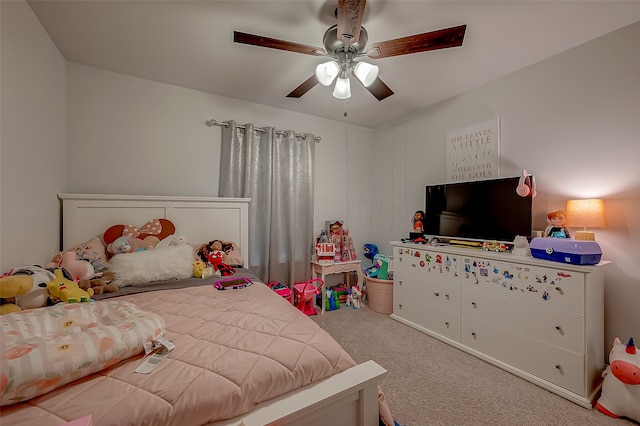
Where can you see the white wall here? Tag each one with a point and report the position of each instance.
(128, 135)
(574, 121)
(32, 139)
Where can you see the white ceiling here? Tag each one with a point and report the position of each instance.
(190, 44)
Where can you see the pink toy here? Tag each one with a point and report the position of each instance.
(621, 389)
(305, 294)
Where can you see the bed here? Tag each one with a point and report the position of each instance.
(282, 369)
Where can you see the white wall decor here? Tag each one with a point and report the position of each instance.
(473, 153)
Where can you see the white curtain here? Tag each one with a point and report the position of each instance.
(275, 170)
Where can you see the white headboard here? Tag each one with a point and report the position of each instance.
(199, 219)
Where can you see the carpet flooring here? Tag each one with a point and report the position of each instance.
(432, 383)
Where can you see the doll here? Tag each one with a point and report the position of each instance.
(418, 225)
(213, 255)
(556, 228)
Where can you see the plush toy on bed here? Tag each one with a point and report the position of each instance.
(12, 286)
(621, 386)
(35, 296)
(66, 290)
(98, 285)
(79, 269)
(212, 254)
(141, 239)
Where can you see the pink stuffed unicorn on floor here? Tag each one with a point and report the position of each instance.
(621, 387)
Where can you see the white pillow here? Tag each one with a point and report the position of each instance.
(159, 264)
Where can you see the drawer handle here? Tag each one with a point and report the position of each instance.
(447, 324)
(400, 306)
(474, 304)
(447, 296)
(436, 293)
(473, 333)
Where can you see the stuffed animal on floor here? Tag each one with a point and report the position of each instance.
(66, 290)
(356, 296)
(621, 386)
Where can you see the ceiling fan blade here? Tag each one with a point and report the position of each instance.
(350, 14)
(379, 89)
(274, 43)
(304, 87)
(434, 40)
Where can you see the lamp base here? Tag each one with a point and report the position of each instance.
(585, 236)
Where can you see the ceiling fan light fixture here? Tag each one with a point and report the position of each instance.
(366, 73)
(327, 72)
(342, 89)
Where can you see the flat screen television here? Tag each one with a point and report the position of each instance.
(478, 210)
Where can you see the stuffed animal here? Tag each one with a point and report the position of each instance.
(356, 296)
(144, 238)
(12, 286)
(98, 285)
(66, 290)
(521, 246)
(36, 295)
(79, 269)
(212, 254)
(198, 268)
(621, 386)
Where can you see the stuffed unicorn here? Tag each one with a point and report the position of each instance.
(356, 295)
(621, 385)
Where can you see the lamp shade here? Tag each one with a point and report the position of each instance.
(366, 73)
(343, 88)
(586, 214)
(327, 72)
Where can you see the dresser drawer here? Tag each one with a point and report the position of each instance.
(552, 287)
(558, 366)
(427, 293)
(431, 264)
(564, 329)
(435, 319)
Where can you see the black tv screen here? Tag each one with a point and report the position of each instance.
(478, 210)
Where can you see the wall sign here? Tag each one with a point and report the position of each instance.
(473, 153)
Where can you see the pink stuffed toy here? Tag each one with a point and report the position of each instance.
(621, 386)
(79, 269)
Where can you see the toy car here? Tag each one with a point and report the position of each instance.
(494, 246)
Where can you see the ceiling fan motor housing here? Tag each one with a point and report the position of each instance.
(333, 44)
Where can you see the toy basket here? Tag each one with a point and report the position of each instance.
(282, 290)
(305, 294)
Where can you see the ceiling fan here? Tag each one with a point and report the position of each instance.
(346, 42)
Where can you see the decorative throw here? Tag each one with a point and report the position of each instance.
(46, 348)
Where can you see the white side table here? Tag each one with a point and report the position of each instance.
(321, 271)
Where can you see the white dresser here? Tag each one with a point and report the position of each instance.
(540, 320)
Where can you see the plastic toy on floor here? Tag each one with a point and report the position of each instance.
(305, 294)
(621, 386)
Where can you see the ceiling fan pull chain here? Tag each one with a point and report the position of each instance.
(346, 104)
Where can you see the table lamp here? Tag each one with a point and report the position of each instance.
(586, 214)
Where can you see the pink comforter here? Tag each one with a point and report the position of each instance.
(234, 349)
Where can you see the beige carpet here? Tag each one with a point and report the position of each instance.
(432, 383)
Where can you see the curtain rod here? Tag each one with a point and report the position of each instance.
(213, 122)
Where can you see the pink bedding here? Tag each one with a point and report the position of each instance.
(234, 349)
